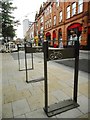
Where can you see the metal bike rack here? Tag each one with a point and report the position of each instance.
(32, 50)
(20, 48)
(53, 54)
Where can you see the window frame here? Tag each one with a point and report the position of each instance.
(50, 22)
(68, 12)
(41, 20)
(79, 6)
(50, 9)
(60, 16)
(54, 20)
(57, 3)
(73, 9)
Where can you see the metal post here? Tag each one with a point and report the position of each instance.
(32, 60)
(26, 64)
(18, 57)
(76, 69)
(45, 48)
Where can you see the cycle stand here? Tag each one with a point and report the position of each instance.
(57, 53)
(20, 48)
(32, 50)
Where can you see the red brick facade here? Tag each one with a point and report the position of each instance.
(57, 26)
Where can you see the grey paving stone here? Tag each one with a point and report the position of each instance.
(83, 102)
(20, 107)
(87, 115)
(33, 92)
(82, 80)
(0, 108)
(60, 95)
(20, 116)
(7, 111)
(37, 114)
(74, 113)
(0, 91)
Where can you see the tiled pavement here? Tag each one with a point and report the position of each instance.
(21, 100)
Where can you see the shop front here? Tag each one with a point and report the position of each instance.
(60, 41)
(48, 37)
(73, 31)
(54, 39)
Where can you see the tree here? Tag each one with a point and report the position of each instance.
(8, 31)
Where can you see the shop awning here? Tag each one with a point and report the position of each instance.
(76, 25)
(48, 34)
(54, 34)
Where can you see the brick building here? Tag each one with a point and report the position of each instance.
(63, 20)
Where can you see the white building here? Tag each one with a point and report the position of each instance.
(32, 32)
(25, 26)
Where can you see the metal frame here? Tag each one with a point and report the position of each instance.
(22, 49)
(32, 50)
(64, 54)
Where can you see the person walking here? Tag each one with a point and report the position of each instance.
(60, 43)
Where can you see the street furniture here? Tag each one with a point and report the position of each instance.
(54, 54)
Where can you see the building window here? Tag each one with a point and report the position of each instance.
(60, 16)
(36, 24)
(80, 6)
(57, 3)
(47, 10)
(68, 12)
(54, 20)
(41, 31)
(73, 8)
(47, 24)
(41, 20)
(50, 22)
(37, 32)
(50, 9)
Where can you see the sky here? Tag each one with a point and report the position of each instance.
(26, 9)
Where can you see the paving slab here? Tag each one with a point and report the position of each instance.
(37, 114)
(74, 113)
(23, 100)
(0, 108)
(35, 102)
(7, 111)
(83, 88)
(20, 107)
(87, 115)
(83, 102)
(20, 116)
(60, 95)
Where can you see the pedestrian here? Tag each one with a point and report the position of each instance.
(60, 43)
(74, 38)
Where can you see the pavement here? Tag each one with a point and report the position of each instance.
(83, 64)
(19, 99)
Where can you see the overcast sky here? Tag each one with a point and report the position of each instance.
(25, 8)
